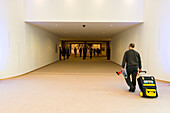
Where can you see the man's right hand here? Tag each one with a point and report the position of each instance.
(123, 69)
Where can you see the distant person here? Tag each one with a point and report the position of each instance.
(94, 51)
(98, 51)
(64, 52)
(75, 51)
(132, 60)
(80, 51)
(91, 52)
(60, 53)
(68, 53)
(84, 52)
(108, 53)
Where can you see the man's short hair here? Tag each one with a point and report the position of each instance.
(132, 45)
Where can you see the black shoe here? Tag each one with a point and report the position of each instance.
(133, 90)
(130, 90)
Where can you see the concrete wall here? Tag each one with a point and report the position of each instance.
(151, 39)
(23, 47)
(84, 10)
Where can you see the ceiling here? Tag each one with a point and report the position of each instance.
(93, 30)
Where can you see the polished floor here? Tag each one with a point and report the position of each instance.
(76, 86)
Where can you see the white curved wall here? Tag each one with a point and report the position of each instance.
(85, 10)
(151, 39)
(23, 47)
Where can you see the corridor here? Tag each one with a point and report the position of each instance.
(39, 40)
(76, 86)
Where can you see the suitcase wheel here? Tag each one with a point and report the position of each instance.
(141, 94)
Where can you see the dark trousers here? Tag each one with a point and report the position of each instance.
(131, 70)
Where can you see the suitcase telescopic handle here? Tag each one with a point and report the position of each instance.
(142, 72)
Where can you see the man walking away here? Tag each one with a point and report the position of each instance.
(132, 60)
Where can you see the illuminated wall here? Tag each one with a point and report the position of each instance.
(23, 47)
(84, 10)
(4, 44)
(151, 39)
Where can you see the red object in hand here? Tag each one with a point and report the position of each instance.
(119, 73)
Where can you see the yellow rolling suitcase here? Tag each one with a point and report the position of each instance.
(147, 85)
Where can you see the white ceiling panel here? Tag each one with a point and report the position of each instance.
(93, 30)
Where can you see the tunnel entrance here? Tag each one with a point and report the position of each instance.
(83, 50)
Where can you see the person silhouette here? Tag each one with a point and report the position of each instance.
(94, 51)
(108, 53)
(75, 51)
(98, 51)
(67, 51)
(84, 52)
(91, 51)
(64, 52)
(60, 53)
(80, 51)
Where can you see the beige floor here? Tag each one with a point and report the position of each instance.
(75, 86)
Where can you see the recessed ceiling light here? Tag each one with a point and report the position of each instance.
(56, 25)
(111, 25)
